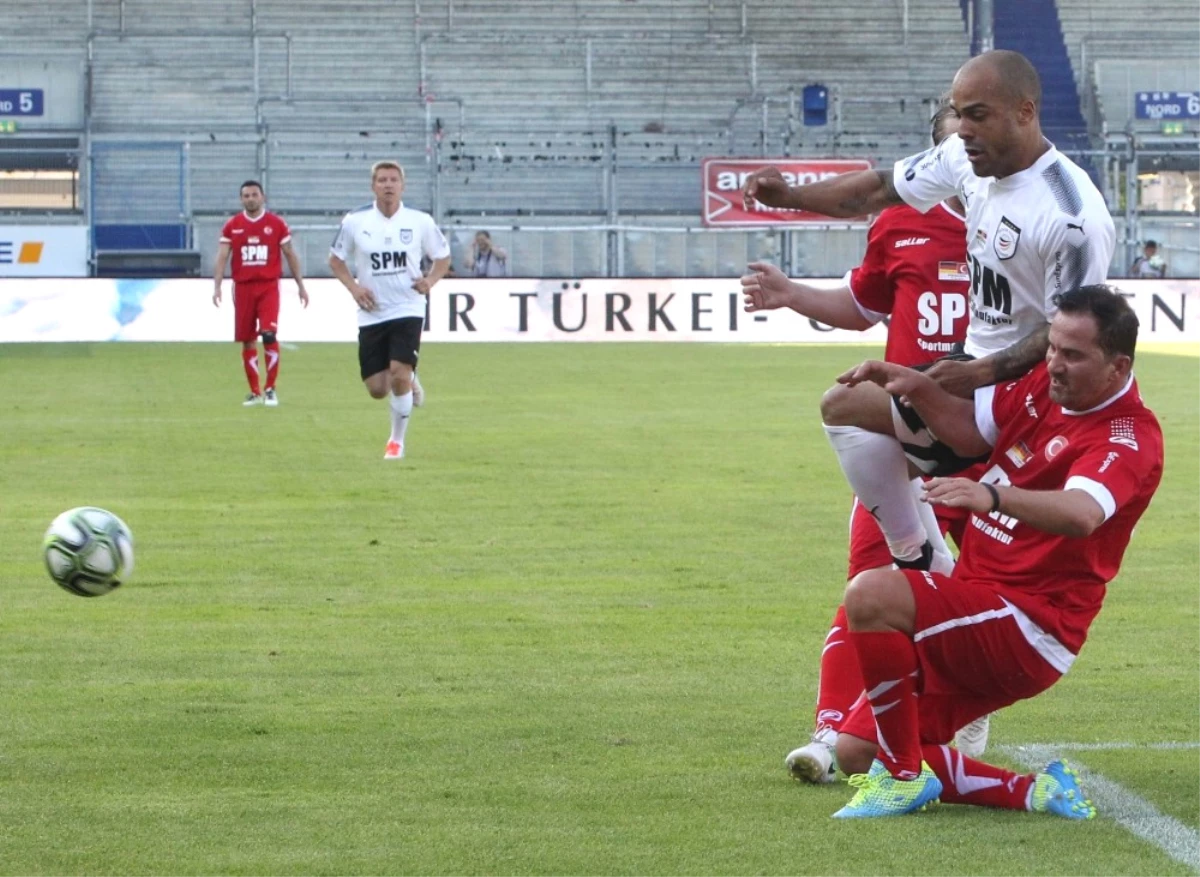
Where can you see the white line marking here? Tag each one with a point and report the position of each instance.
(1100, 747)
(1133, 813)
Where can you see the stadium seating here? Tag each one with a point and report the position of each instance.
(542, 113)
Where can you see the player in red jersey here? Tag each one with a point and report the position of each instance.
(1074, 460)
(915, 271)
(257, 240)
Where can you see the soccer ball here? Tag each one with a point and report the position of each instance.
(89, 551)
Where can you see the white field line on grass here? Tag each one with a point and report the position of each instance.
(1133, 813)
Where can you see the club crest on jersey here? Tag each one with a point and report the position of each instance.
(1055, 446)
(1008, 235)
(406, 236)
(950, 271)
(268, 230)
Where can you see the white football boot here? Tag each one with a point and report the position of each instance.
(816, 761)
(971, 740)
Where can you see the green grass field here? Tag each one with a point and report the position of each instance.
(574, 632)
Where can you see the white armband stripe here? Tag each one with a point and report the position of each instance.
(1096, 491)
(985, 420)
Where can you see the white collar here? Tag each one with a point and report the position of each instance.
(1110, 400)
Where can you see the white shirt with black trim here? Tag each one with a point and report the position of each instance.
(384, 254)
(1030, 235)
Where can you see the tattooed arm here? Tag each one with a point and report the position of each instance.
(1014, 361)
(845, 196)
(964, 378)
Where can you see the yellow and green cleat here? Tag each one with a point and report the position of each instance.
(881, 794)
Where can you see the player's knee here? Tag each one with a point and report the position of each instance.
(854, 754)
(268, 337)
(837, 406)
(864, 598)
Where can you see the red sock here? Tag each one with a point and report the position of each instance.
(250, 362)
(840, 682)
(967, 781)
(889, 671)
(272, 351)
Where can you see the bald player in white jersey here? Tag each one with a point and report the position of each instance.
(1036, 226)
(377, 256)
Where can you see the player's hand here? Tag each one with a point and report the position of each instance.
(363, 297)
(956, 378)
(303, 296)
(958, 493)
(766, 288)
(423, 285)
(217, 296)
(767, 186)
(896, 379)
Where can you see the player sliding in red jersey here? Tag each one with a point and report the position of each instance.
(1074, 458)
(258, 240)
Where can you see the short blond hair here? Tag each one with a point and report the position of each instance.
(384, 165)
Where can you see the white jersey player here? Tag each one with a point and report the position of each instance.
(1036, 226)
(1030, 235)
(377, 255)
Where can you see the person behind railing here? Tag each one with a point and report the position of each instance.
(1149, 265)
(486, 259)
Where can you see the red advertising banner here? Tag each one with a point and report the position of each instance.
(723, 179)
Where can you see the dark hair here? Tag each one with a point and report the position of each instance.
(937, 122)
(1116, 323)
(1152, 244)
(255, 183)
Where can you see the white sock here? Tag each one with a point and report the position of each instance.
(933, 530)
(401, 410)
(877, 470)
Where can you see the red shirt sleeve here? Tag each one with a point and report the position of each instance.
(869, 282)
(1123, 456)
(281, 227)
(226, 231)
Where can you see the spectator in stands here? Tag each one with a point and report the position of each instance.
(1149, 265)
(486, 259)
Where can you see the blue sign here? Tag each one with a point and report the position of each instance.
(22, 102)
(1168, 105)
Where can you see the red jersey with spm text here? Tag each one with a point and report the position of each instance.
(255, 246)
(1113, 452)
(915, 269)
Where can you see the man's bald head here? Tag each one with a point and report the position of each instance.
(1010, 73)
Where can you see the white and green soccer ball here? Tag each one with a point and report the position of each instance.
(89, 551)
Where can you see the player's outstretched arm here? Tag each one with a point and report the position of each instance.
(845, 196)
(950, 418)
(767, 288)
(1072, 513)
(219, 270)
(293, 261)
(1012, 362)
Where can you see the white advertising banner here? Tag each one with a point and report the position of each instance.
(484, 310)
(43, 251)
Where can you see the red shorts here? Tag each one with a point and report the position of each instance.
(255, 309)
(868, 548)
(973, 658)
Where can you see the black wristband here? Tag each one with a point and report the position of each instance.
(995, 496)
